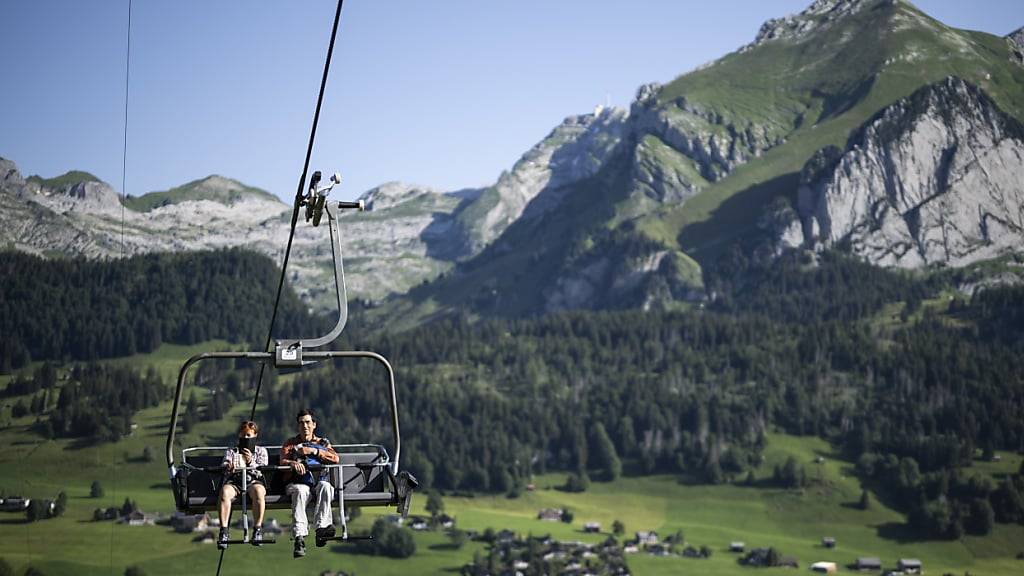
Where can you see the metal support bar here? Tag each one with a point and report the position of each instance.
(269, 357)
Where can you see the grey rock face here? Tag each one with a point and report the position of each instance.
(1016, 40)
(1017, 37)
(574, 150)
(819, 15)
(713, 145)
(932, 179)
(398, 243)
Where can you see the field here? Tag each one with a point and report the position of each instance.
(761, 515)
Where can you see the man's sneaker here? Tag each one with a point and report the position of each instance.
(323, 535)
(222, 539)
(300, 547)
(257, 536)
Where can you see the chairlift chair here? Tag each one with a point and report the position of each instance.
(366, 474)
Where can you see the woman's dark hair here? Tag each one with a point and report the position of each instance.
(305, 412)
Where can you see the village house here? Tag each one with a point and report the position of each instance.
(138, 518)
(737, 546)
(909, 565)
(446, 521)
(592, 527)
(15, 504)
(646, 538)
(185, 523)
(550, 514)
(824, 567)
(828, 542)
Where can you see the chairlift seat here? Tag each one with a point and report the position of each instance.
(367, 480)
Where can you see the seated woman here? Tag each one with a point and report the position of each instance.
(248, 455)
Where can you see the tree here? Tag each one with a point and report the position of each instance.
(134, 571)
(577, 482)
(567, 516)
(607, 459)
(865, 500)
(435, 505)
(458, 538)
(147, 454)
(61, 504)
(128, 507)
(5, 568)
(96, 490)
(982, 517)
(618, 528)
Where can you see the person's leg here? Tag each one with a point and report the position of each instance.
(259, 503)
(227, 494)
(299, 494)
(324, 492)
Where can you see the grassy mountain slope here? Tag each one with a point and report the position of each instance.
(792, 95)
(814, 92)
(215, 188)
(66, 179)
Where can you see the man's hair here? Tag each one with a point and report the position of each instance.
(305, 412)
(248, 426)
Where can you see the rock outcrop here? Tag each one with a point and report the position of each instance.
(573, 151)
(405, 237)
(818, 16)
(933, 179)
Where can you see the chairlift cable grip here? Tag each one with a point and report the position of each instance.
(298, 199)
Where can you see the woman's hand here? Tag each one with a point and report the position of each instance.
(247, 454)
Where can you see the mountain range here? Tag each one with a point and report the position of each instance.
(860, 125)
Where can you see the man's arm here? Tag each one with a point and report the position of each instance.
(327, 453)
(286, 451)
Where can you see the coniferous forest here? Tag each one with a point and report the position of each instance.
(907, 379)
(69, 309)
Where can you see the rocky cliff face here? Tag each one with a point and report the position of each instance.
(404, 237)
(818, 16)
(933, 179)
(573, 151)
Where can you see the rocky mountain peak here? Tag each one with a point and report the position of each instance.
(9, 174)
(1017, 37)
(1016, 40)
(819, 15)
(391, 194)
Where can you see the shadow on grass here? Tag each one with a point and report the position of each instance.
(82, 444)
(898, 532)
(734, 217)
(13, 521)
(445, 547)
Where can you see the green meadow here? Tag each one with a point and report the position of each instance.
(760, 515)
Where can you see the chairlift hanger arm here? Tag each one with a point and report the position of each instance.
(266, 357)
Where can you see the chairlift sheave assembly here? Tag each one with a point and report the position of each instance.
(366, 475)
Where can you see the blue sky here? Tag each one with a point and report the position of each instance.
(440, 93)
